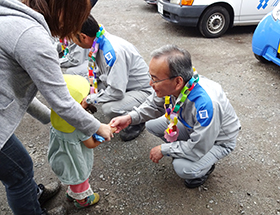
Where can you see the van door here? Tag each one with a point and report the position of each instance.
(252, 11)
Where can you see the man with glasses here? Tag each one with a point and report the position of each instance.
(190, 112)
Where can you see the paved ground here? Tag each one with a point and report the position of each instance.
(246, 182)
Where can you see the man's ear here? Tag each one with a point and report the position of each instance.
(83, 37)
(179, 82)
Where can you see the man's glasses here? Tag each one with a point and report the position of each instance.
(157, 81)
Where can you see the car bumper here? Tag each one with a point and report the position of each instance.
(181, 15)
(151, 1)
(266, 39)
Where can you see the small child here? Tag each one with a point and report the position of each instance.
(70, 152)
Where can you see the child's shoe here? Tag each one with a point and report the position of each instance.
(91, 200)
(69, 198)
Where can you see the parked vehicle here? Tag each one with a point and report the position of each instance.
(151, 1)
(265, 42)
(214, 17)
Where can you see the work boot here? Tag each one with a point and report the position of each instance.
(47, 192)
(193, 183)
(60, 210)
(131, 132)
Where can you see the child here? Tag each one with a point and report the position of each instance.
(70, 152)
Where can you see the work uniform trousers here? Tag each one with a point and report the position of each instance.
(114, 108)
(185, 168)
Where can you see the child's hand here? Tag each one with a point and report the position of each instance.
(105, 131)
(112, 128)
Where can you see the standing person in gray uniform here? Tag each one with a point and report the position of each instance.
(122, 74)
(28, 64)
(190, 112)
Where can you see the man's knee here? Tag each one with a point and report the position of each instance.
(149, 127)
(184, 170)
(153, 128)
(187, 169)
(109, 111)
(76, 71)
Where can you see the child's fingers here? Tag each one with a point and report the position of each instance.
(113, 129)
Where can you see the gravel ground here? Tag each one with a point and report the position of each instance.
(245, 182)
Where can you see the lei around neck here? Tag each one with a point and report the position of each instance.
(92, 59)
(171, 113)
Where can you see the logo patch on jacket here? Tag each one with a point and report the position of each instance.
(203, 114)
(108, 51)
(108, 56)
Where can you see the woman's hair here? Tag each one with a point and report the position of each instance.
(64, 17)
(178, 60)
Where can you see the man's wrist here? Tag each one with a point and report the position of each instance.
(165, 149)
(129, 119)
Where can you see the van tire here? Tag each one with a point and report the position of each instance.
(214, 22)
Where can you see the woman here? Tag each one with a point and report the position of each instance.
(28, 63)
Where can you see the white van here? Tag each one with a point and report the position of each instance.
(214, 17)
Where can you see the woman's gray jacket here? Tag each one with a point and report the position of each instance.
(28, 63)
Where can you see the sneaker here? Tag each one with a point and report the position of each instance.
(60, 210)
(193, 183)
(131, 132)
(47, 192)
(91, 200)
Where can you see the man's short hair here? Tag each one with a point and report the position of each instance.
(178, 60)
(90, 27)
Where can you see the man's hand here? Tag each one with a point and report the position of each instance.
(155, 154)
(120, 122)
(105, 131)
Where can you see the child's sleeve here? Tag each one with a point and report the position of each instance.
(98, 138)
